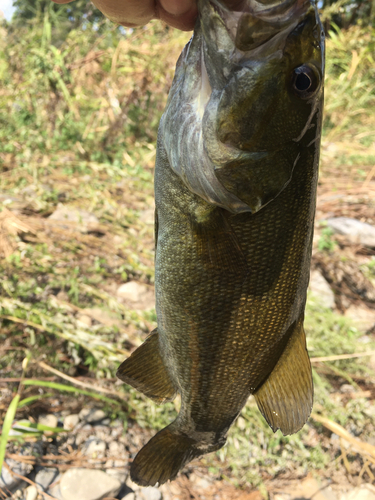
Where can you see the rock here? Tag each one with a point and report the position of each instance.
(363, 492)
(31, 493)
(94, 447)
(48, 420)
(92, 415)
(89, 484)
(120, 473)
(104, 317)
(320, 290)
(347, 389)
(7, 480)
(116, 449)
(362, 317)
(70, 421)
(74, 218)
(46, 476)
(137, 295)
(149, 493)
(354, 230)
(55, 492)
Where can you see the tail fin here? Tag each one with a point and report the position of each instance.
(166, 454)
(162, 457)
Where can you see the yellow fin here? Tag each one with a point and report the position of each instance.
(163, 457)
(145, 371)
(285, 399)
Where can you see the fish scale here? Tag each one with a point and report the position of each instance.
(235, 189)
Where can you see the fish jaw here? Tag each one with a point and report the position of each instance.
(235, 109)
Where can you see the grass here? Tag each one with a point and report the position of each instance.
(78, 127)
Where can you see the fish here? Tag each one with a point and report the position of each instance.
(235, 192)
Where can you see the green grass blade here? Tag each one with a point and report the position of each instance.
(68, 388)
(8, 420)
(30, 400)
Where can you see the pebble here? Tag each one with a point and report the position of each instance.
(362, 317)
(137, 295)
(363, 492)
(116, 449)
(48, 420)
(94, 447)
(354, 230)
(46, 476)
(91, 415)
(320, 289)
(72, 215)
(70, 421)
(31, 493)
(149, 493)
(88, 484)
(7, 480)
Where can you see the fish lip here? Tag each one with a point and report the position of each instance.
(259, 21)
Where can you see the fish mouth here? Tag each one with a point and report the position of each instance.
(252, 23)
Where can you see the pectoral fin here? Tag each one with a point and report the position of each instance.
(285, 399)
(145, 371)
(218, 245)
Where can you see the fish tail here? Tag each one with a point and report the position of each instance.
(165, 455)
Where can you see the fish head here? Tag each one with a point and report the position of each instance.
(266, 65)
(246, 100)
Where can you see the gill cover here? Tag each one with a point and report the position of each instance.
(245, 100)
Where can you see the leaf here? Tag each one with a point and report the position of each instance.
(7, 425)
(68, 388)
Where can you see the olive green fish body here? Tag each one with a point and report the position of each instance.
(235, 188)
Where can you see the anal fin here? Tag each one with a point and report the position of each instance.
(285, 399)
(145, 371)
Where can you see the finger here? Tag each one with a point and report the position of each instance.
(180, 14)
(127, 12)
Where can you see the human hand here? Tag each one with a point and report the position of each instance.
(180, 14)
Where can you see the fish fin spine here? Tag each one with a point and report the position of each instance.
(285, 399)
(166, 454)
(145, 371)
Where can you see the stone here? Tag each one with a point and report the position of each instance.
(119, 473)
(354, 230)
(46, 476)
(74, 218)
(137, 295)
(70, 421)
(48, 420)
(363, 492)
(362, 317)
(7, 480)
(31, 493)
(89, 484)
(116, 449)
(320, 290)
(55, 492)
(104, 317)
(94, 447)
(149, 493)
(92, 415)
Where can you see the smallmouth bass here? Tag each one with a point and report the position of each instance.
(235, 188)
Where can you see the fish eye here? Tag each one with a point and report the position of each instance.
(305, 81)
